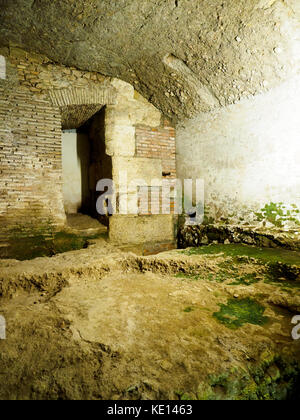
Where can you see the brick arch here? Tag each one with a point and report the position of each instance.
(83, 96)
(74, 116)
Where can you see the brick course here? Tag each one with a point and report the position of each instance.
(30, 165)
(158, 143)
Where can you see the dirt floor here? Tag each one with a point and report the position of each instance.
(99, 323)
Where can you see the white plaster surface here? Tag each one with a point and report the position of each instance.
(75, 161)
(248, 153)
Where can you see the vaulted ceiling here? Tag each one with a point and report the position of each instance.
(74, 116)
(186, 56)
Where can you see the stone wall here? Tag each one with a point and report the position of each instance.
(30, 140)
(34, 97)
(128, 125)
(201, 235)
(248, 155)
(41, 76)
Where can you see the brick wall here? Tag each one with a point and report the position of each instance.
(158, 143)
(31, 201)
(32, 99)
(30, 165)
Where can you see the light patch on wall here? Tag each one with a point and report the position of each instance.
(2, 67)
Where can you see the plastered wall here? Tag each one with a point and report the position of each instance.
(75, 165)
(249, 156)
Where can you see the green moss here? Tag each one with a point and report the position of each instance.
(246, 280)
(45, 246)
(227, 272)
(239, 312)
(275, 262)
(188, 309)
(285, 285)
(283, 275)
(205, 393)
(265, 255)
(278, 214)
(219, 277)
(273, 378)
(274, 266)
(188, 276)
(64, 242)
(186, 397)
(229, 266)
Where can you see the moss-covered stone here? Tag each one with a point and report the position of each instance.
(201, 235)
(279, 214)
(245, 280)
(239, 312)
(45, 245)
(274, 378)
(246, 266)
(266, 255)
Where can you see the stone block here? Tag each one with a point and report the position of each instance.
(141, 229)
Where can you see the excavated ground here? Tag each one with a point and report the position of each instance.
(99, 323)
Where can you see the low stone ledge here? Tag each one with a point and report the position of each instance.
(200, 235)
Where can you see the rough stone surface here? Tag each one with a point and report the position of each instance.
(202, 54)
(101, 324)
(195, 236)
(141, 229)
(74, 116)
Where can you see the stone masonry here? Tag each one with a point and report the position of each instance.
(33, 96)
